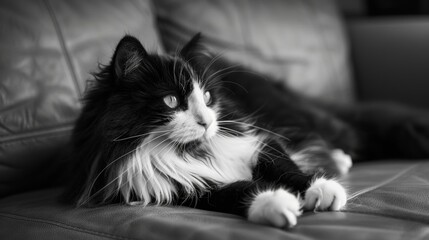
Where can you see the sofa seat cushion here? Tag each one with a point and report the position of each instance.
(390, 202)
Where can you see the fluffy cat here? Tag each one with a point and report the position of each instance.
(190, 129)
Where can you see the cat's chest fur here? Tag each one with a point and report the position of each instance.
(157, 168)
(222, 159)
(233, 158)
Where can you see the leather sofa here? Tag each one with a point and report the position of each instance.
(49, 49)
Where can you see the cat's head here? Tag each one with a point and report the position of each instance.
(144, 115)
(161, 94)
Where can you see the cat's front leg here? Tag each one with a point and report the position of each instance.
(278, 208)
(319, 193)
(258, 201)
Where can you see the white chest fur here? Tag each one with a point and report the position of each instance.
(234, 157)
(155, 169)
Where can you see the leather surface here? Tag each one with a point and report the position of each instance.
(48, 50)
(391, 202)
(393, 189)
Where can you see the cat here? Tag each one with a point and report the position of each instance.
(191, 129)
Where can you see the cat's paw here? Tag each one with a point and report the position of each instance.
(277, 208)
(342, 160)
(325, 195)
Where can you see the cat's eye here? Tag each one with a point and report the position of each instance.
(207, 98)
(171, 101)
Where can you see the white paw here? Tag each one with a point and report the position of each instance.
(342, 160)
(278, 208)
(324, 195)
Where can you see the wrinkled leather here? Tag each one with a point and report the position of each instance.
(391, 202)
(47, 51)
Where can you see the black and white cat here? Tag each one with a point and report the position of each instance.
(190, 129)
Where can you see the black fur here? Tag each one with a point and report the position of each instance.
(124, 101)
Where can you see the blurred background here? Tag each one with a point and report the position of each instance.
(389, 41)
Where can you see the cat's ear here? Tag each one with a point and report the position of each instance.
(194, 48)
(128, 55)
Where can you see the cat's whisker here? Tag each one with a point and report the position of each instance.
(186, 66)
(250, 117)
(209, 65)
(227, 130)
(139, 135)
(226, 116)
(260, 142)
(260, 151)
(241, 70)
(174, 70)
(221, 71)
(224, 72)
(256, 127)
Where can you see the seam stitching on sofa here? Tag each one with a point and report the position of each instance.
(62, 225)
(389, 180)
(64, 47)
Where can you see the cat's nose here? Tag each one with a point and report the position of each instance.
(205, 122)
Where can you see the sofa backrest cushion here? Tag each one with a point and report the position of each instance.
(48, 50)
(300, 42)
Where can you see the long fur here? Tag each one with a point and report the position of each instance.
(156, 172)
(125, 149)
(130, 147)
